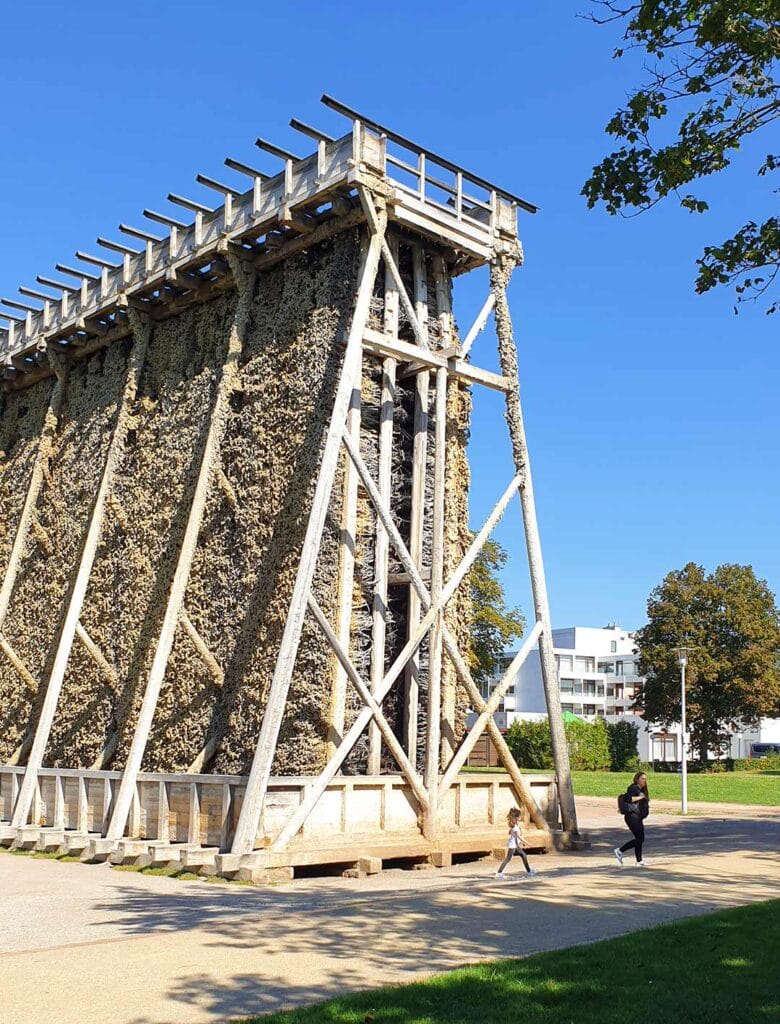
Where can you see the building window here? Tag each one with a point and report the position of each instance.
(578, 686)
(585, 664)
(567, 707)
(564, 662)
(619, 668)
(589, 709)
(567, 686)
(613, 646)
(590, 687)
(600, 689)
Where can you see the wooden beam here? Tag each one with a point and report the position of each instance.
(379, 344)
(318, 785)
(346, 572)
(39, 472)
(500, 272)
(417, 520)
(207, 752)
(208, 659)
(257, 784)
(142, 330)
(228, 381)
(381, 578)
(478, 325)
(95, 653)
(368, 699)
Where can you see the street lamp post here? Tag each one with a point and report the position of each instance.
(682, 658)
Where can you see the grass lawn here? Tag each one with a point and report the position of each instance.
(709, 970)
(760, 788)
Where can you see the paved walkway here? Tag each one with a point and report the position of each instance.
(89, 945)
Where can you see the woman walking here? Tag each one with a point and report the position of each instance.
(636, 804)
(514, 843)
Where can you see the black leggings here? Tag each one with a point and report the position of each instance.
(509, 855)
(637, 826)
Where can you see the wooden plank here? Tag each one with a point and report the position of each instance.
(142, 330)
(478, 325)
(19, 665)
(417, 518)
(381, 577)
(228, 381)
(257, 784)
(37, 476)
(318, 785)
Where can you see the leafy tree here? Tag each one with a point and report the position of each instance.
(711, 82)
(493, 625)
(730, 620)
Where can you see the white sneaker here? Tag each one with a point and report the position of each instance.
(618, 854)
(641, 863)
(530, 873)
(500, 876)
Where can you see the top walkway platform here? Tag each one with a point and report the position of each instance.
(312, 197)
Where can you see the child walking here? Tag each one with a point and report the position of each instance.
(514, 843)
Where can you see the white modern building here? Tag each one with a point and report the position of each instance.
(599, 677)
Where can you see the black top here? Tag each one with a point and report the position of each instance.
(641, 807)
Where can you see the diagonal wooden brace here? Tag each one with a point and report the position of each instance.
(368, 699)
(320, 784)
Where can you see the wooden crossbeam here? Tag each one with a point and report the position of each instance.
(478, 325)
(368, 699)
(206, 753)
(260, 772)
(319, 785)
(208, 659)
(382, 345)
(228, 381)
(142, 330)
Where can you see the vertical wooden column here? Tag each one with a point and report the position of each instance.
(419, 472)
(346, 570)
(379, 610)
(39, 470)
(500, 272)
(433, 732)
(142, 331)
(228, 382)
(260, 773)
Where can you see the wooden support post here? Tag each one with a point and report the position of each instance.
(19, 665)
(346, 572)
(379, 609)
(419, 472)
(142, 330)
(163, 812)
(82, 806)
(228, 381)
(208, 750)
(500, 272)
(58, 818)
(433, 731)
(193, 825)
(37, 476)
(257, 784)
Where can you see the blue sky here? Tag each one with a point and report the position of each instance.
(652, 413)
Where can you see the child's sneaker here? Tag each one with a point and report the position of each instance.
(531, 873)
(618, 854)
(500, 876)
(641, 863)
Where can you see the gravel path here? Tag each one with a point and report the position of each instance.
(88, 945)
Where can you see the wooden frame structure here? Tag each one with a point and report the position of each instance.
(391, 188)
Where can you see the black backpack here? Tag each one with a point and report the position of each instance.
(623, 807)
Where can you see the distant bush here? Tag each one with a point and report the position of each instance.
(589, 747)
(623, 746)
(531, 744)
(756, 764)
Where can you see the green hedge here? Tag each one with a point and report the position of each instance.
(593, 746)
